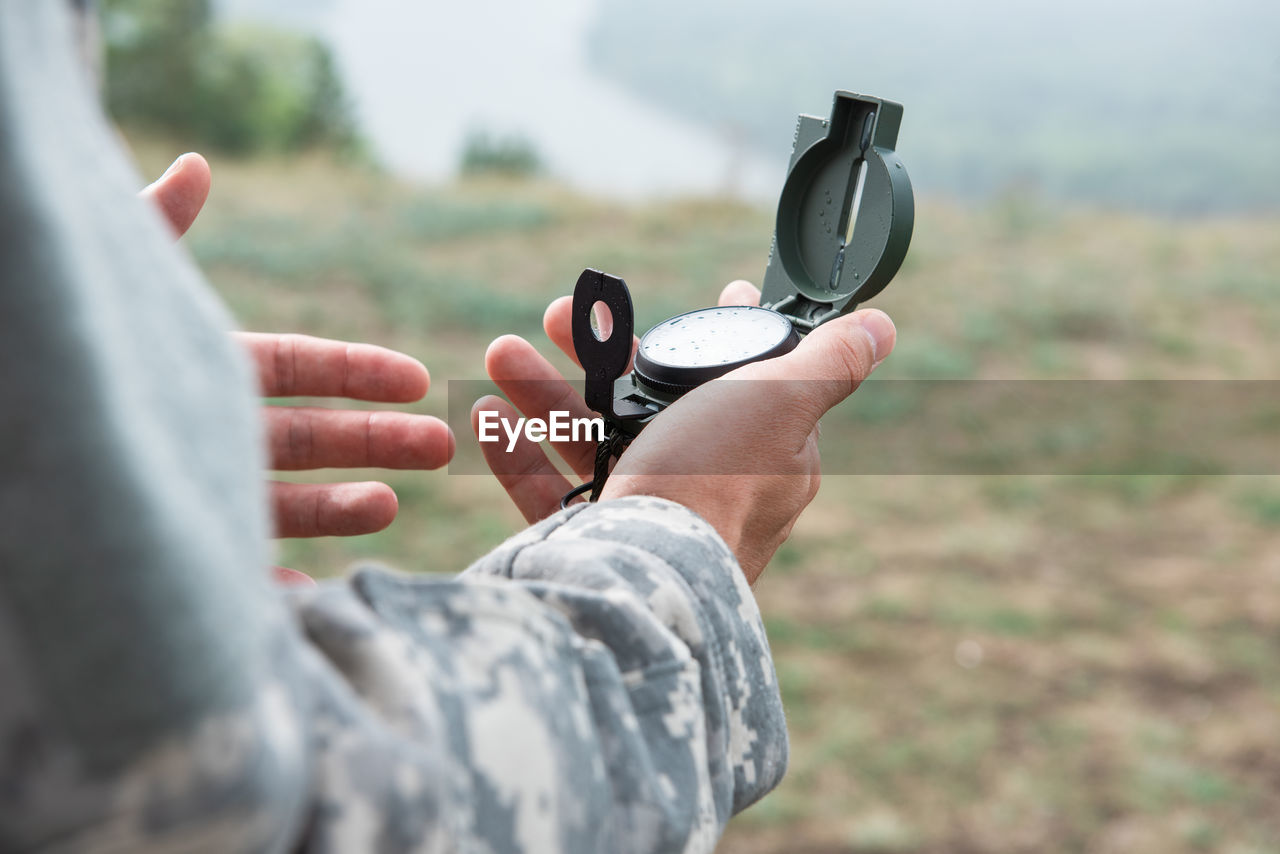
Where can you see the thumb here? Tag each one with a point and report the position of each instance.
(181, 191)
(831, 361)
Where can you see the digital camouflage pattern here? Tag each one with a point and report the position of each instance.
(599, 683)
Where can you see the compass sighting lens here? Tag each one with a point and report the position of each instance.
(601, 320)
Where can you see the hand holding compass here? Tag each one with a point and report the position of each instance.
(844, 224)
(752, 512)
(766, 444)
(851, 223)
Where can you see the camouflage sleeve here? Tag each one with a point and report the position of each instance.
(601, 682)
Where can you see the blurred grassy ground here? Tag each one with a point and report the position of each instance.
(970, 663)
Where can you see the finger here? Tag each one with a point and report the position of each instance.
(536, 388)
(290, 365)
(557, 322)
(532, 482)
(830, 363)
(331, 509)
(181, 191)
(311, 438)
(739, 292)
(291, 577)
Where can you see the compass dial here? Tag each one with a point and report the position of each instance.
(689, 349)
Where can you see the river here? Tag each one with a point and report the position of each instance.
(423, 76)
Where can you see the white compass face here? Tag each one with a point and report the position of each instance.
(714, 336)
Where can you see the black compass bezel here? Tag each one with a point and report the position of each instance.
(678, 379)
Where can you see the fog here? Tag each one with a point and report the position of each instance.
(1170, 106)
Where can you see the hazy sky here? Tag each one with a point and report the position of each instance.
(424, 75)
(1170, 105)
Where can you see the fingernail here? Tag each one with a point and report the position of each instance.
(174, 166)
(880, 330)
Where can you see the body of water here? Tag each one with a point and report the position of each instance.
(423, 76)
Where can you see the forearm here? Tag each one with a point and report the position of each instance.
(600, 682)
(666, 568)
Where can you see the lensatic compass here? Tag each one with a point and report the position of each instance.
(844, 224)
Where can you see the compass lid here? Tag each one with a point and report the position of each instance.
(845, 214)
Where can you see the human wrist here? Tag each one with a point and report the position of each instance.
(704, 498)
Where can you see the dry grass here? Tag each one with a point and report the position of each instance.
(969, 663)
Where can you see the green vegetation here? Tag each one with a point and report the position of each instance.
(242, 89)
(509, 156)
(970, 663)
